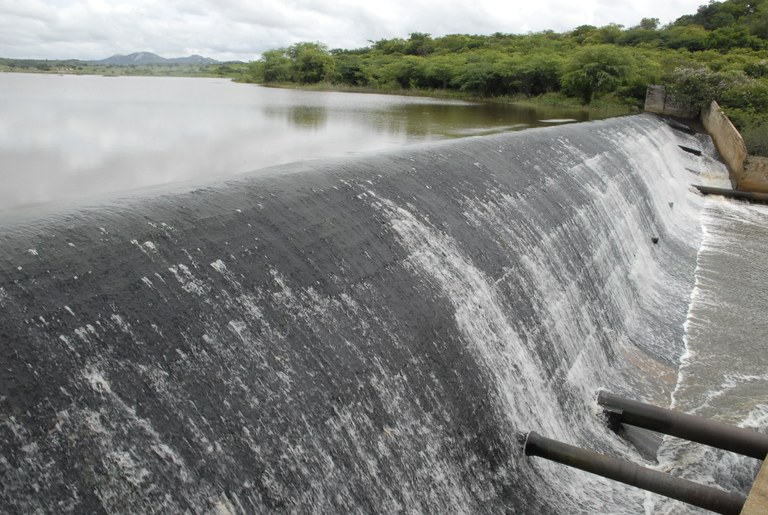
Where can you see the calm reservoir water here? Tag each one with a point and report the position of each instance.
(71, 137)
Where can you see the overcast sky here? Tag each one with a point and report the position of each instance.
(242, 29)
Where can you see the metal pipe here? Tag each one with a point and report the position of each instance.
(634, 475)
(697, 429)
(754, 196)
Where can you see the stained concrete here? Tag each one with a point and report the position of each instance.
(755, 175)
(727, 139)
(757, 502)
(659, 101)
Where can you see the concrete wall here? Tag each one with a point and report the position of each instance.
(658, 101)
(654, 99)
(748, 173)
(727, 139)
(755, 175)
(757, 502)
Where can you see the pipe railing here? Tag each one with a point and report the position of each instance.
(626, 472)
(690, 427)
(674, 423)
(753, 196)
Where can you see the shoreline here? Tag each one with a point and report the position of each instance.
(548, 100)
(605, 107)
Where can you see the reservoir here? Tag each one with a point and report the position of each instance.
(68, 137)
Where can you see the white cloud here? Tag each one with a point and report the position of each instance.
(242, 29)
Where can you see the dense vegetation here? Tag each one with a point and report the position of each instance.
(720, 53)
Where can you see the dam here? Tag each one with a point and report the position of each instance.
(370, 333)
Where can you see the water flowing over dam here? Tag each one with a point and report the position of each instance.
(366, 334)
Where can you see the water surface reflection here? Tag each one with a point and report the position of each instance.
(70, 137)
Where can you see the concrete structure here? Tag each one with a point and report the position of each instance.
(757, 502)
(748, 173)
(755, 175)
(659, 101)
(727, 139)
(654, 99)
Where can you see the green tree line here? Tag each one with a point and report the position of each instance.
(720, 53)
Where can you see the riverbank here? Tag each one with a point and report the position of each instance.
(605, 107)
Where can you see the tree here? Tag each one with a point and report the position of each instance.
(539, 73)
(746, 93)
(311, 62)
(440, 70)
(582, 32)
(391, 46)
(700, 85)
(608, 34)
(690, 37)
(420, 44)
(732, 36)
(487, 73)
(351, 70)
(649, 23)
(275, 66)
(757, 69)
(458, 43)
(596, 70)
(407, 72)
(758, 26)
(639, 36)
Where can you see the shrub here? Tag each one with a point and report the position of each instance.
(597, 69)
(747, 94)
(699, 86)
(756, 138)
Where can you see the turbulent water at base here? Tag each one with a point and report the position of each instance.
(724, 373)
(369, 334)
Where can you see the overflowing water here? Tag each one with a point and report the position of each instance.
(367, 334)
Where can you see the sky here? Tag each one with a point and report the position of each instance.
(243, 29)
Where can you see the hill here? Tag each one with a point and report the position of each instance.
(147, 58)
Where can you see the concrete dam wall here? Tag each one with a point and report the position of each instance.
(727, 139)
(368, 334)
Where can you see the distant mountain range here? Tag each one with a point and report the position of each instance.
(150, 58)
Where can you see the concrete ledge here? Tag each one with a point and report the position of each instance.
(757, 501)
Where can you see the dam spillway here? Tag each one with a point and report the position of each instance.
(365, 334)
